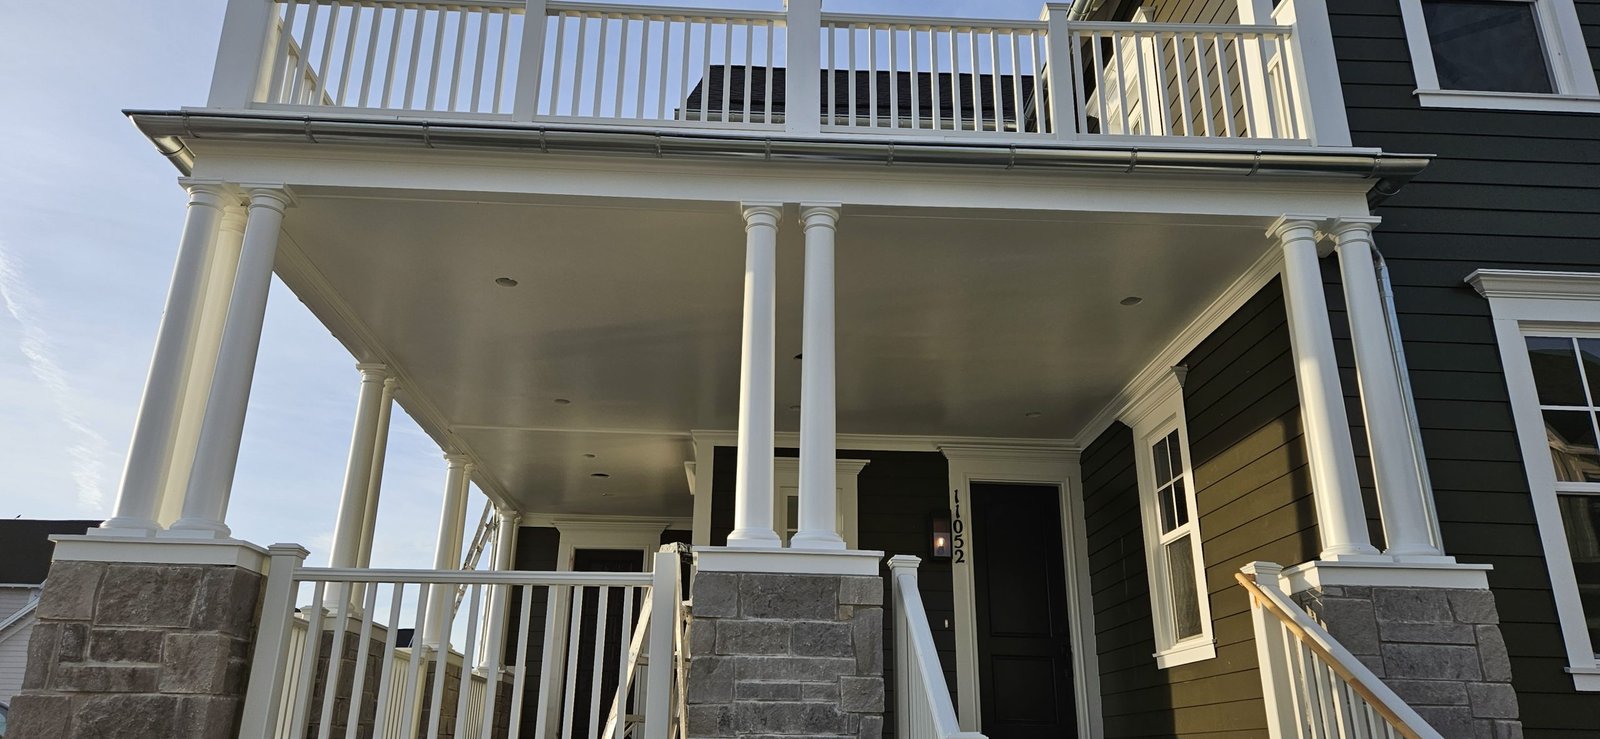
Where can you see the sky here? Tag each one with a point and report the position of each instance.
(90, 217)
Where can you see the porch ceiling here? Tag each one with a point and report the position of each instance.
(950, 323)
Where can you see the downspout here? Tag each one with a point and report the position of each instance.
(1392, 318)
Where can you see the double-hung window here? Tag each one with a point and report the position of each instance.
(1180, 604)
(1501, 54)
(1550, 348)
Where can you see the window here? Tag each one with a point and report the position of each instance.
(1179, 599)
(1548, 328)
(1504, 54)
(786, 512)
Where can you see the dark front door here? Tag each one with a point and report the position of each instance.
(601, 560)
(1024, 650)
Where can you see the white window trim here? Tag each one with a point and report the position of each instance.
(1155, 416)
(1528, 302)
(1571, 69)
(786, 482)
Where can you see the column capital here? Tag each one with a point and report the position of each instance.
(373, 371)
(391, 385)
(1287, 224)
(820, 215)
(234, 217)
(761, 214)
(457, 459)
(210, 193)
(275, 196)
(508, 514)
(1354, 227)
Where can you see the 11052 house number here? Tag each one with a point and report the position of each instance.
(958, 530)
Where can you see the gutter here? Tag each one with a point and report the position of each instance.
(171, 132)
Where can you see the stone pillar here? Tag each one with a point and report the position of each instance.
(127, 646)
(773, 653)
(1439, 649)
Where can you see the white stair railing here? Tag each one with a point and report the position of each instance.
(1315, 688)
(295, 688)
(923, 709)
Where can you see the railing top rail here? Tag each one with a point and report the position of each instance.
(617, 10)
(903, 21)
(1221, 28)
(1362, 680)
(460, 577)
(507, 5)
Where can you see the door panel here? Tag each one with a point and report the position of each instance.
(601, 560)
(1024, 645)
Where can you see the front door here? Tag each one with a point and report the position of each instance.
(600, 560)
(1024, 648)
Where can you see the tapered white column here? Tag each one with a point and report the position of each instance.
(1341, 518)
(358, 468)
(221, 271)
(155, 430)
(205, 504)
(1396, 460)
(505, 543)
(752, 507)
(819, 486)
(380, 449)
(447, 552)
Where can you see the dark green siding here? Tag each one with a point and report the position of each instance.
(1508, 190)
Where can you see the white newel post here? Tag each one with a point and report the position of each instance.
(752, 511)
(380, 449)
(803, 84)
(245, 26)
(819, 486)
(1341, 517)
(447, 552)
(1396, 461)
(530, 64)
(154, 431)
(205, 504)
(353, 501)
(202, 365)
(1060, 85)
(1315, 67)
(259, 717)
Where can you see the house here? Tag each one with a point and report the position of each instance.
(1180, 368)
(24, 561)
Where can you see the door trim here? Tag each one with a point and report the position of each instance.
(1053, 467)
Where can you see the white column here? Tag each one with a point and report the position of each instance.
(154, 431)
(205, 504)
(447, 552)
(220, 273)
(358, 468)
(819, 485)
(1396, 461)
(752, 508)
(505, 542)
(1341, 518)
(380, 449)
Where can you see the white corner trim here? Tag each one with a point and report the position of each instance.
(149, 550)
(1329, 573)
(1183, 654)
(1498, 284)
(1539, 103)
(780, 561)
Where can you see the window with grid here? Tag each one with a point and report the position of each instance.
(1176, 538)
(1566, 372)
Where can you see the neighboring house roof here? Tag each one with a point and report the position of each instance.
(25, 547)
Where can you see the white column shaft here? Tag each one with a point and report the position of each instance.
(753, 492)
(358, 468)
(1395, 459)
(819, 486)
(380, 449)
(223, 267)
(1341, 518)
(447, 552)
(205, 503)
(149, 453)
(505, 541)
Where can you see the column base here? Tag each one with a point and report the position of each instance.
(1434, 572)
(826, 541)
(787, 561)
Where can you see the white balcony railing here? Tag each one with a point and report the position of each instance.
(603, 669)
(923, 708)
(801, 72)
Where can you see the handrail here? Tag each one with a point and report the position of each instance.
(923, 709)
(1311, 710)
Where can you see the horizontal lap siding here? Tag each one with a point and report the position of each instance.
(1508, 190)
(1254, 504)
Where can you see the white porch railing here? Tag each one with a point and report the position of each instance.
(923, 709)
(1314, 687)
(802, 71)
(301, 687)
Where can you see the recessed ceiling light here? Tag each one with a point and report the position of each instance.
(1132, 300)
(588, 456)
(563, 401)
(505, 282)
(1033, 414)
(600, 475)
(607, 495)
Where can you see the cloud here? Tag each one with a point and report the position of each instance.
(88, 449)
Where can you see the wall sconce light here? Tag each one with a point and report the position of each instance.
(940, 545)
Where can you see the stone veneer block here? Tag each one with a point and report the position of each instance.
(138, 650)
(786, 655)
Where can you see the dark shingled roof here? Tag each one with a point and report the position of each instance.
(25, 547)
(734, 78)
